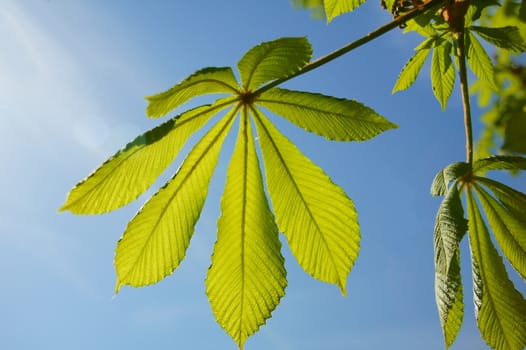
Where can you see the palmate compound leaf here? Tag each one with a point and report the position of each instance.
(156, 239)
(333, 118)
(273, 60)
(507, 222)
(450, 227)
(334, 8)
(316, 216)
(479, 61)
(126, 175)
(205, 81)
(247, 277)
(500, 308)
(442, 72)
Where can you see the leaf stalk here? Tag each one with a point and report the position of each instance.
(395, 23)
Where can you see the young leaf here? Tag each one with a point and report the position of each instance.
(273, 60)
(315, 215)
(123, 177)
(508, 38)
(442, 73)
(500, 163)
(205, 81)
(247, 277)
(450, 227)
(451, 172)
(156, 239)
(411, 70)
(500, 308)
(479, 61)
(333, 118)
(334, 8)
(509, 230)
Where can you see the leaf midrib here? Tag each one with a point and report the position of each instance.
(118, 165)
(183, 181)
(256, 114)
(481, 263)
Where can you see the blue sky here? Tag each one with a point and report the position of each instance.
(73, 75)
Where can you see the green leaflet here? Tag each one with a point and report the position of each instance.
(508, 38)
(247, 277)
(333, 118)
(411, 70)
(334, 8)
(479, 61)
(514, 201)
(273, 60)
(442, 73)
(123, 177)
(451, 172)
(499, 163)
(509, 230)
(156, 239)
(450, 227)
(500, 308)
(205, 81)
(315, 215)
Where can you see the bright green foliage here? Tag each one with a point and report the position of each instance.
(247, 278)
(450, 227)
(155, 241)
(479, 61)
(272, 60)
(123, 177)
(205, 81)
(500, 308)
(442, 73)
(509, 226)
(333, 118)
(334, 8)
(411, 70)
(315, 215)
(508, 37)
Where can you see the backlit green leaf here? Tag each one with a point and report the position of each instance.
(333, 118)
(247, 277)
(315, 215)
(123, 177)
(156, 239)
(509, 230)
(205, 81)
(451, 172)
(500, 163)
(442, 73)
(479, 61)
(334, 8)
(411, 70)
(514, 201)
(508, 38)
(500, 308)
(273, 60)
(450, 227)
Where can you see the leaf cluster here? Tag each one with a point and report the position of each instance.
(441, 44)
(492, 207)
(247, 276)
